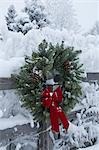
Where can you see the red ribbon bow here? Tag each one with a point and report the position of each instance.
(52, 101)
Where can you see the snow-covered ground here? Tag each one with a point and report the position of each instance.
(80, 135)
(11, 122)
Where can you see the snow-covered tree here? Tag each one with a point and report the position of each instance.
(36, 13)
(61, 14)
(10, 18)
(18, 22)
(95, 29)
(22, 23)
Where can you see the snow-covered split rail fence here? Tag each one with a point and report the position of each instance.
(17, 131)
(8, 83)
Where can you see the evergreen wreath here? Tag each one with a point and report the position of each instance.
(32, 76)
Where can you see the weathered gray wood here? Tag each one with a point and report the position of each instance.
(93, 76)
(6, 84)
(12, 133)
(45, 142)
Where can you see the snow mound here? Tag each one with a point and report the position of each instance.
(15, 46)
(11, 122)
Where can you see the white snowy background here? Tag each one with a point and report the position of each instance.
(15, 46)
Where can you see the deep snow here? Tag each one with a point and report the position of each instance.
(15, 46)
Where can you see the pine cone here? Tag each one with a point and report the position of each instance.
(67, 65)
(35, 77)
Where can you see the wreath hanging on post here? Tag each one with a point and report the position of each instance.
(32, 77)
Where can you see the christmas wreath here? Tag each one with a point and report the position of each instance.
(48, 59)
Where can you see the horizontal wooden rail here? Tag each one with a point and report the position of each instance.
(12, 134)
(92, 76)
(8, 83)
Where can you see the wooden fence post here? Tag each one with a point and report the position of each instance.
(45, 142)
